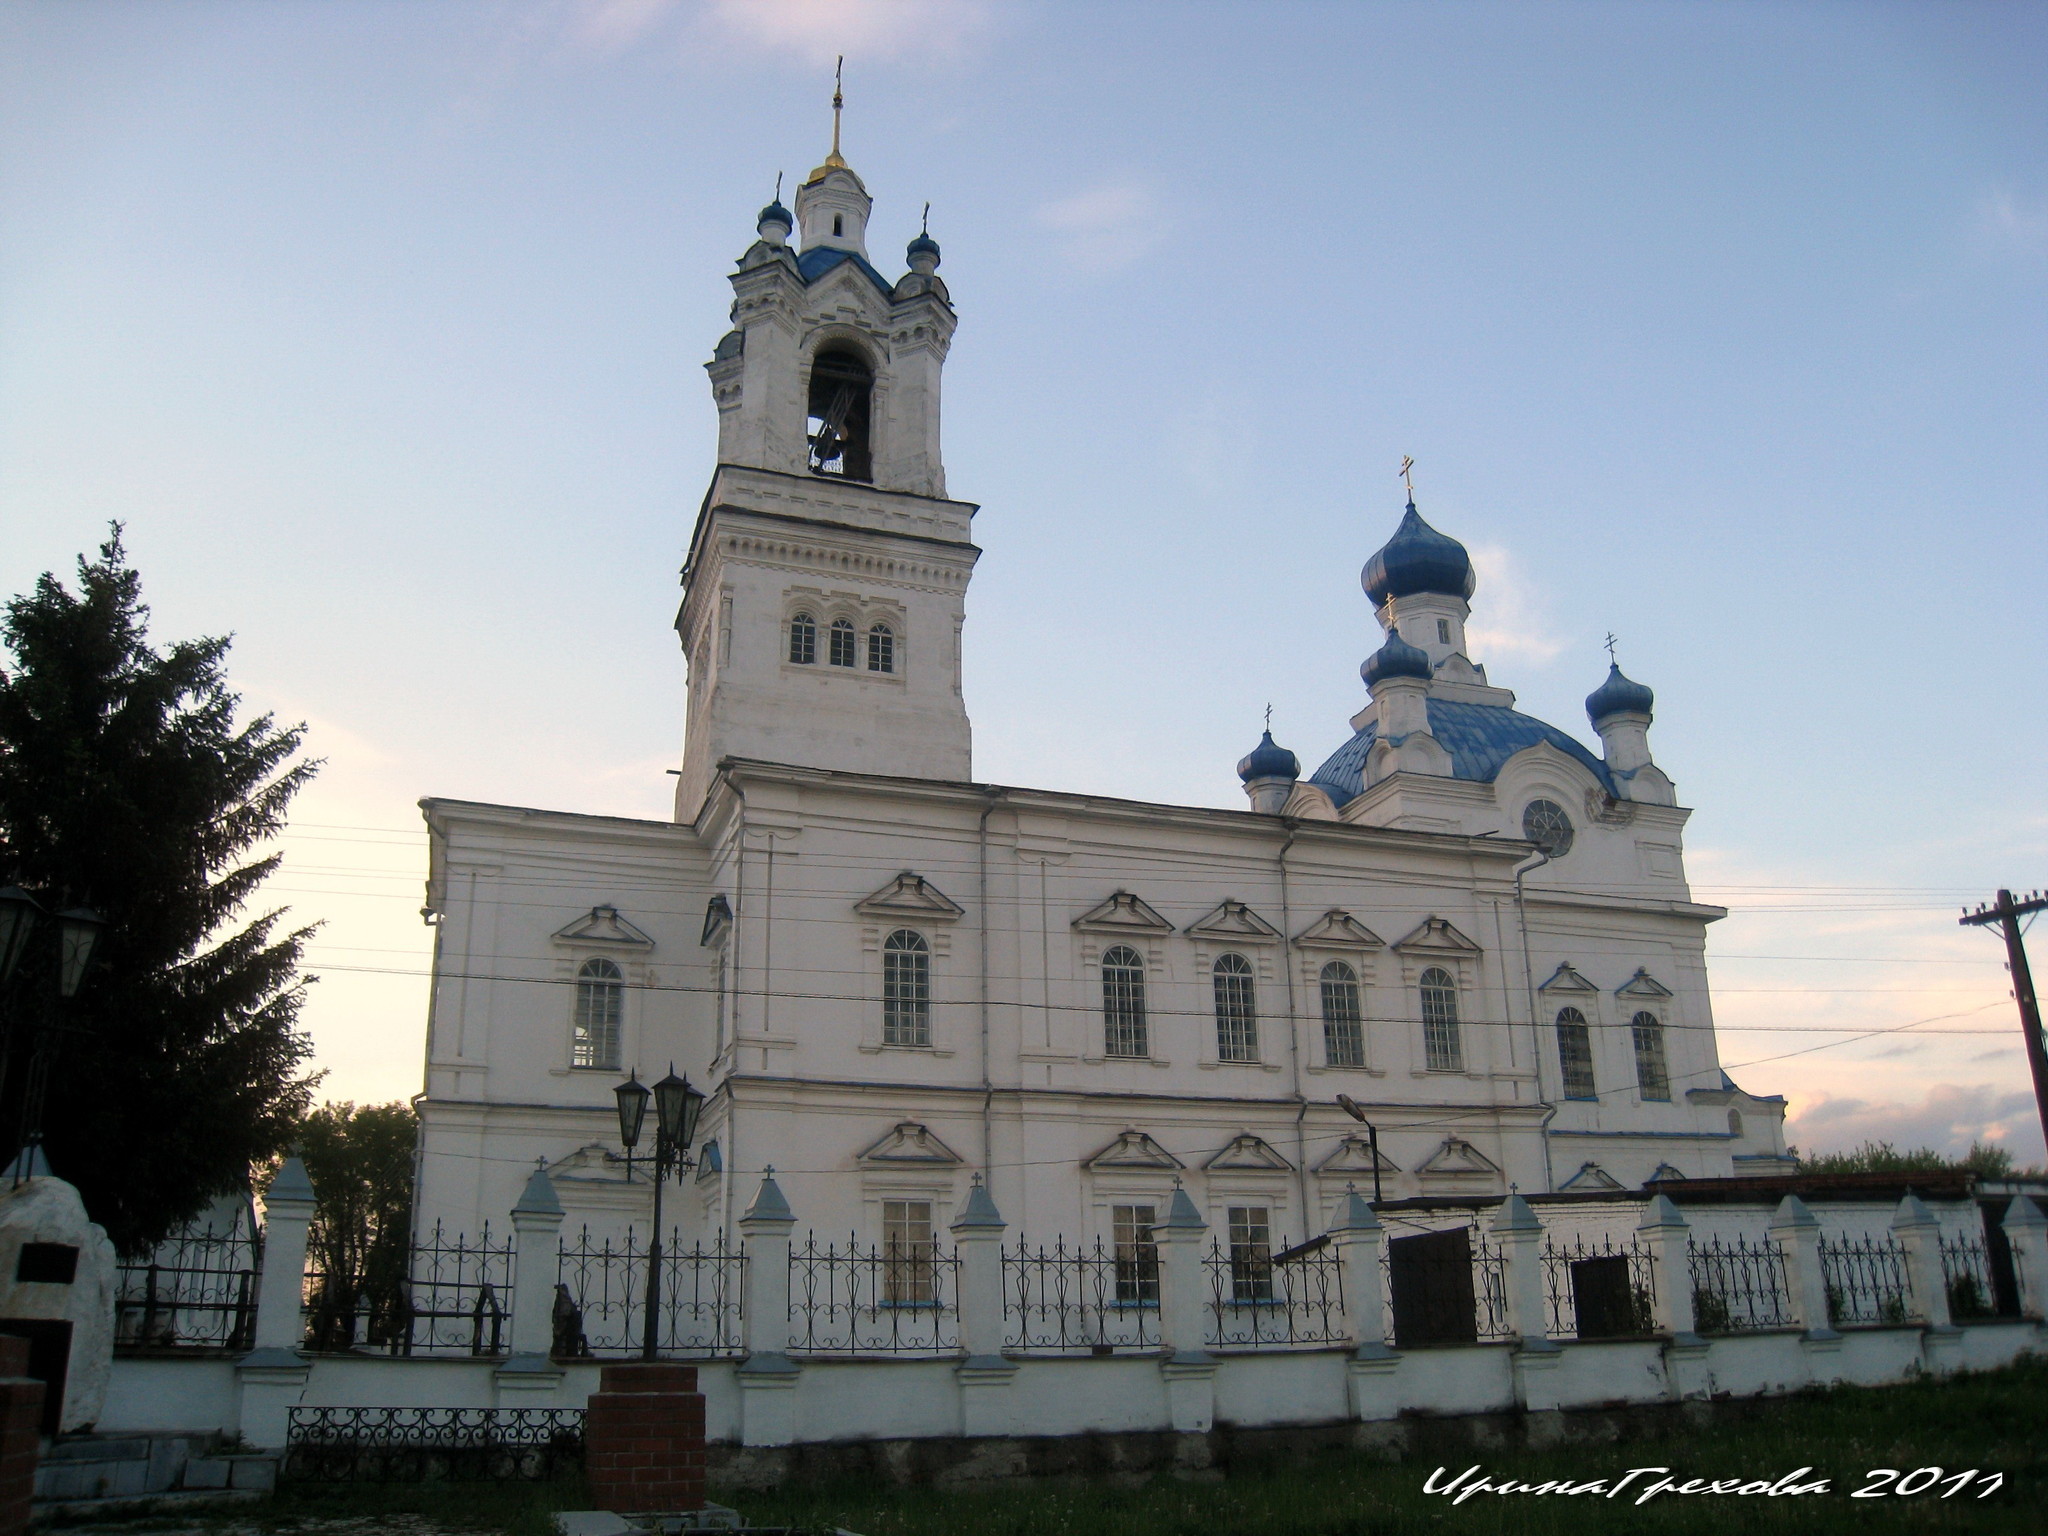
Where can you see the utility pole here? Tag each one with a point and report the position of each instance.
(2007, 914)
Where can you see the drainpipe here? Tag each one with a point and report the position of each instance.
(738, 973)
(988, 1087)
(1534, 862)
(1294, 1034)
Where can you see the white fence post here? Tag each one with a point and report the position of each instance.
(1920, 1235)
(1794, 1226)
(2026, 1230)
(528, 1374)
(1520, 1236)
(1370, 1370)
(1664, 1228)
(984, 1374)
(273, 1375)
(768, 1377)
(1189, 1368)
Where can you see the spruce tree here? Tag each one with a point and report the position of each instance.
(128, 784)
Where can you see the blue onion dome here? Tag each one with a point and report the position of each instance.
(1268, 760)
(1418, 559)
(1397, 658)
(1618, 696)
(775, 213)
(923, 245)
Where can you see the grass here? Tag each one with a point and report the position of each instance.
(1994, 1421)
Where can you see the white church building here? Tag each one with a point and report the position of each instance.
(889, 977)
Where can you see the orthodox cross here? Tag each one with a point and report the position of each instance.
(1407, 479)
(838, 100)
(926, 227)
(1269, 719)
(1610, 650)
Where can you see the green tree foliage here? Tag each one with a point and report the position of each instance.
(1985, 1160)
(360, 1162)
(127, 784)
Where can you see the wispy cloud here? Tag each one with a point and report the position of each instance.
(2012, 223)
(1948, 1119)
(1107, 226)
(816, 31)
(1509, 615)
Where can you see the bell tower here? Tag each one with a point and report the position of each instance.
(825, 589)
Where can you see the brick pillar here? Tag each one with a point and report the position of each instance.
(21, 1417)
(643, 1439)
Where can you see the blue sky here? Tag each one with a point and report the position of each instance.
(1723, 327)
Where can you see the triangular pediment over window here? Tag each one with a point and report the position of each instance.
(1354, 1155)
(1133, 1149)
(1642, 984)
(1247, 1154)
(1234, 920)
(1338, 929)
(1565, 979)
(1458, 1158)
(594, 1164)
(717, 922)
(1437, 936)
(1123, 913)
(1591, 1176)
(604, 927)
(910, 1142)
(1664, 1171)
(912, 897)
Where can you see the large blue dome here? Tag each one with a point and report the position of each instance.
(1479, 737)
(1618, 696)
(1397, 658)
(1269, 760)
(1418, 559)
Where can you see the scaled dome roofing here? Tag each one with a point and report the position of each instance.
(1618, 696)
(1418, 559)
(1269, 760)
(1479, 737)
(1397, 658)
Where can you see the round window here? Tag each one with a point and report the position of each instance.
(1545, 824)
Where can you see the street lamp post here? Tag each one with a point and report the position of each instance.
(676, 1107)
(77, 933)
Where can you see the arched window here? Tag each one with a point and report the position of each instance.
(906, 989)
(1123, 1003)
(839, 224)
(1343, 1028)
(837, 424)
(1575, 1054)
(1652, 1078)
(600, 1006)
(1734, 1122)
(881, 649)
(1441, 1049)
(842, 643)
(1237, 1015)
(803, 639)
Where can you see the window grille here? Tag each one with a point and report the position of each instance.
(1343, 1029)
(1575, 1054)
(1137, 1256)
(842, 643)
(803, 640)
(1545, 824)
(1651, 1076)
(1237, 1018)
(600, 1005)
(1123, 1003)
(881, 649)
(1251, 1253)
(906, 989)
(1442, 1050)
(908, 1253)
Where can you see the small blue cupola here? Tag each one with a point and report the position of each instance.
(1418, 559)
(922, 245)
(1397, 658)
(1617, 696)
(1269, 771)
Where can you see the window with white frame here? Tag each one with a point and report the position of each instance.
(881, 648)
(1575, 1054)
(600, 1009)
(1653, 1080)
(1343, 1025)
(909, 1254)
(803, 640)
(1442, 1050)
(906, 989)
(1123, 1002)
(1135, 1253)
(1251, 1253)
(842, 649)
(1237, 1014)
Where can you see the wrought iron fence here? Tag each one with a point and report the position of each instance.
(409, 1445)
(892, 1298)
(457, 1300)
(1738, 1287)
(601, 1298)
(1259, 1299)
(1865, 1280)
(197, 1291)
(1599, 1289)
(1444, 1286)
(1068, 1300)
(1966, 1276)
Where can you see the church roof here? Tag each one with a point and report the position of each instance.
(1479, 737)
(820, 259)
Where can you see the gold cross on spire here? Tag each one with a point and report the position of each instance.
(1408, 479)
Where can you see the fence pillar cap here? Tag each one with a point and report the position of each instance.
(289, 1186)
(539, 1198)
(1354, 1214)
(768, 1203)
(978, 1211)
(1515, 1215)
(1912, 1214)
(1661, 1214)
(1792, 1214)
(2023, 1215)
(1181, 1215)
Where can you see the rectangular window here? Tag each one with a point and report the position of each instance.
(1343, 1030)
(1442, 1050)
(600, 1008)
(1137, 1256)
(1575, 1054)
(1237, 1016)
(909, 1253)
(1251, 1254)
(1651, 1076)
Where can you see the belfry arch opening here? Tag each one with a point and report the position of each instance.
(839, 421)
